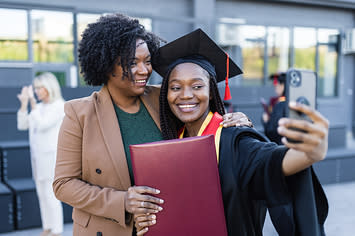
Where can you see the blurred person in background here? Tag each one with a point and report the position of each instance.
(43, 122)
(276, 108)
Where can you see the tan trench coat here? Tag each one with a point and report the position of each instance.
(91, 170)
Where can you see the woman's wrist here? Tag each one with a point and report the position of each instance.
(23, 107)
(33, 103)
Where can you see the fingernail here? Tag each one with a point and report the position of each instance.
(281, 122)
(160, 208)
(153, 217)
(154, 222)
(280, 129)
(161, 201)
(146, 229)
(157, 191)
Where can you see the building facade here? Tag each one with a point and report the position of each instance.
(263, 37)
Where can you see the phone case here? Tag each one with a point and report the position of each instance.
(301, 87)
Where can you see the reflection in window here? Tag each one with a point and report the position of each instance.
(146, 22)
(252, 43)
(305, 48)
(83, 20)
(228, 39)
(278, 42)
(13, 35)
(52, 36)
(245, 45)
(328, 57)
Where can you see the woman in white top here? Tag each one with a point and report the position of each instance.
(43, 122)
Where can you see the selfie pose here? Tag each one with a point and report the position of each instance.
(252, 170)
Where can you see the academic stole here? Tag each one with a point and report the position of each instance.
(211, 125)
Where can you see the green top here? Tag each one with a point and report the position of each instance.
(136, 128)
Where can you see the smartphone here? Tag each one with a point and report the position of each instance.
(301, 87)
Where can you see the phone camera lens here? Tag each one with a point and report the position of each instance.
(295, 79)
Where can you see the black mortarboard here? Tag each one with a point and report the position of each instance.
(278, 77)
(197, 43)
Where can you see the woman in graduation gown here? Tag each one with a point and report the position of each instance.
(277, 108)
(252, 170)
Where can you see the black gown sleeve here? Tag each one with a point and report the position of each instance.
(297, 204)
(261, 169)
(263, 177)
(270, 127)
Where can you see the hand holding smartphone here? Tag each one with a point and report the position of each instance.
(301, 87)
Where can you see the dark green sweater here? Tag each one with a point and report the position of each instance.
(136, 128)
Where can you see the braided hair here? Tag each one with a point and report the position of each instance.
(109, 41)
(169, 123)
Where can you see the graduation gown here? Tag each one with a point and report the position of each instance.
(251, 179)
(251, 175)
(270, 127)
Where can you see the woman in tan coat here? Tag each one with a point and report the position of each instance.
(93, 170)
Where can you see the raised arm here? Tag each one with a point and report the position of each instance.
(313, 143)
(22, 113)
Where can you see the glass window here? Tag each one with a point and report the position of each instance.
(278, 43)
(13, 35)
(229, 40)
(52, 34)
(252, 44)
(146, 22)
(304, 40)
(83, 20)
(245, 44)
(328, 59)
(60, 75)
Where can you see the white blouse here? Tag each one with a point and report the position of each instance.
(43, 124)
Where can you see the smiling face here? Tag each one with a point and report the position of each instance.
(189, 94)
(141, 69)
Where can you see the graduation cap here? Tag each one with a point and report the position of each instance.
(278, 78)
(197, 43)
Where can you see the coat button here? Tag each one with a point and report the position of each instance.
(98, 171)
(99, 234)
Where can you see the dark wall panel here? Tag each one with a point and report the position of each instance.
(15, 77)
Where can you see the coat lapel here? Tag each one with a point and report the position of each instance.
(112, 135)
(150, 99)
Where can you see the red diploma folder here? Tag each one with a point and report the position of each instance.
(186, 173)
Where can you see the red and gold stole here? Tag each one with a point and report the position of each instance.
(211, 125)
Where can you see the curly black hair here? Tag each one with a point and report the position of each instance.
(169, 123)
(109, 41)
